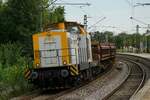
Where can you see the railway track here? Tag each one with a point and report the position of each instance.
(143, 61)
(132, 84)
(137, 75)
(51, 94)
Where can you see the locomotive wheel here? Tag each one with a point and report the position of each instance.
(77, 81)
(83, 75)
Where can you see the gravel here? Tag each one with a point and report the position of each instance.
(95, 90)
(100, 87)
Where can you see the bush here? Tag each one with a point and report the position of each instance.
(12, 65)
(9, 54)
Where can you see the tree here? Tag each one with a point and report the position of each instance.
(108, 36)
(19, 19)
(120, 40)
(54, 15)
(57, 15)
(98, 36)
(103, 36)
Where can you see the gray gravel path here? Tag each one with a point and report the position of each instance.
(99, 88)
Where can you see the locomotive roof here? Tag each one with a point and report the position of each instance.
(66, 23)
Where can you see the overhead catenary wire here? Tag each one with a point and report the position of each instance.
(142, 4)
(128, 2)
(80, 7)
(97, 22)
(87, 4)
(131, 4)
(141, 22)
(113, 27)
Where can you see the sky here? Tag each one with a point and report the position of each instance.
(117, 13)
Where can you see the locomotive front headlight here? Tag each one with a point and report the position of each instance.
(64, 62)
(37, 65)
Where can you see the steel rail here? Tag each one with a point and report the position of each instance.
(140, 84)
(110, 94)
(143, 76)
(55, 94)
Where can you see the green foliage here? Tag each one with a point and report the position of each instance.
(57, 15)
(103, 36)
(12, 65)
(122, 40)
(19, 19)
(126, 40)
(10, 54)
(53, 15)
(13, 75)
(119, 40)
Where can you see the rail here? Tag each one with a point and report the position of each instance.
(143, 71)
(140, 84)
(110, 94)
(143, 76)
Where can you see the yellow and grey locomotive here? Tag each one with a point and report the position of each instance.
(64, 55)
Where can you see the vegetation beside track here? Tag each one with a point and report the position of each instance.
(12, 65)
(19, 19)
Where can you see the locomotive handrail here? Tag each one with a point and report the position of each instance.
(55, 49)
(57, 52)
(57, 55)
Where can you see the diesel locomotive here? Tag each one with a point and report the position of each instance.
(64, 55)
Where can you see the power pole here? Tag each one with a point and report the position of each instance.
(137, 29)
(137, 32)
(41, 21)
(85, 27)
(85, 22)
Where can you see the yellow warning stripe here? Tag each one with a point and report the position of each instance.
(72, 74)
(74, 67)
(74, 70)
(27, 74)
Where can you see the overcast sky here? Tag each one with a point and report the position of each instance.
(117, 13)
